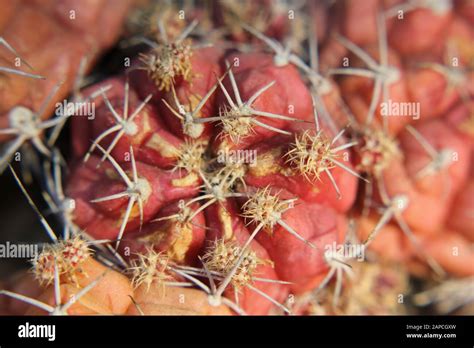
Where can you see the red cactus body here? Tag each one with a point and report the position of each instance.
(180, 239)
(422, 190)
(146, 133)
(226, 225)
(102, 220)
(360, 91)
(249, 182)
(296, 262)
(274, 167)
(252, 73)
(205, 71)
(407, 36)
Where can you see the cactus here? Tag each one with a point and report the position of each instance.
(249, 166)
